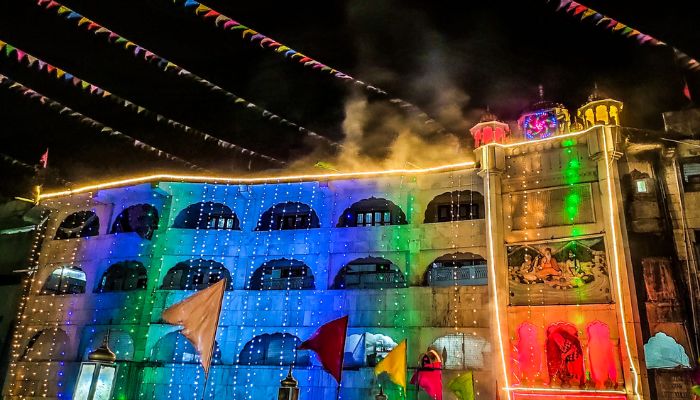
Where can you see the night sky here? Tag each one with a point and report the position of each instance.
(452, 59)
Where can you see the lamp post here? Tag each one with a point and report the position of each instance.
(97, 375)
(288, 388)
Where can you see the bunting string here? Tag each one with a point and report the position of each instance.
(165, 65)
(250, 35)
(27, 92)
(30, 61)
(582, 13)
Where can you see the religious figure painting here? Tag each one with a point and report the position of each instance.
(561, 272)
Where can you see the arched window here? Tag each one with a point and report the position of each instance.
(528, 354)
(366, 350)
(289, 215)
(46, 345)
(663, 352)
(564, 355)
(461, 352)
(79, 224)
(139, 218)
(601, 355)
(282, 274)
(369, 273)
(175, 348)
(65, 280)
(123, 276)
(273, 349)
(207, 215)
(372, 212)
(120, 343)
(196, 275)
(456, 269)
(459, 205)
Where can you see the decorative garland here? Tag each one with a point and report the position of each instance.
(92, 89)
(169, 66)
(583, 12)
(226, 23)
(85, 120)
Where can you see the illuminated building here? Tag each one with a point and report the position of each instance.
(517, 267)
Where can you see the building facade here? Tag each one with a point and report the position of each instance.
(516, 269)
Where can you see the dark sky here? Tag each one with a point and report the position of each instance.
(458, 56)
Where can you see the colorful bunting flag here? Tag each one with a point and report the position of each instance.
(463, 386)
(169, 66)
(394, 364)
(328, 342)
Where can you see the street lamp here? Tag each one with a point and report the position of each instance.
(288, 388)
(97, 375)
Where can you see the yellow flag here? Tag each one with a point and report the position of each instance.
(394, 364)
(199, 317)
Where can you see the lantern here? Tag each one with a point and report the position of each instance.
(97, 375)
(288, 388)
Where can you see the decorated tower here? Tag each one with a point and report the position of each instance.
(490, 129)
(544, 119)
(599, 110)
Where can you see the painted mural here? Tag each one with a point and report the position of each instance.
(562, 272)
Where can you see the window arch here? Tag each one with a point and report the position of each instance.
(65, 280)
(456, 269)
(459, 205)
(175, 348)
(122, 277)
(120, 342)
(289, 215)
(273, 349)
(366, 349)
(139, 218)
(207, 215)
(461, 352)
(372, 212)
(46, 345)
(282, 274)
(196, 275)
(369, 273)
(79, 224)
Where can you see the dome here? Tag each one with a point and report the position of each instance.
(103, 353)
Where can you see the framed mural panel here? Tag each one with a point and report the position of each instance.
(559, 273)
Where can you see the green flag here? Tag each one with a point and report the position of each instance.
(463, 386)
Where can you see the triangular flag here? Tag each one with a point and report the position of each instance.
(429, 375)
(394, 364)
(587, 13)
(44, 160)
(328, 342)
(463, 386)
(686, 91)
(199, 317)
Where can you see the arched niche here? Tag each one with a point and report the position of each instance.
(456, 269)
(288, 216)
(175, 348)
(273, 349)
(369, 273)
(139, 218)
(366, 349)
(123, 276)
(79, 224)
(459, 205)
(564, 355)
(196, 275)
(372, 212)
(207, 215)
(282, 274)
(460, 351)
(65, 280)
(46, 345)
(120, 342)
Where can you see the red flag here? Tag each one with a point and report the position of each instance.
(429, 376)
(329, 343)
(44, 160)
(686, 91)
(199, 317)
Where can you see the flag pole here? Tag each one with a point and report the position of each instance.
(337, 392)
(213, 342)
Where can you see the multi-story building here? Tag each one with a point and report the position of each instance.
(518, 268)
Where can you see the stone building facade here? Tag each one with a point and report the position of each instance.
(517, 268)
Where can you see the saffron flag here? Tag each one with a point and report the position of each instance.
(199, 316)
(429, 376)
(329, 343)
(463, 386)
(394, 364)
(44, 160)
(686, 91)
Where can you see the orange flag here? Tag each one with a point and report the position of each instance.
(199, 317)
